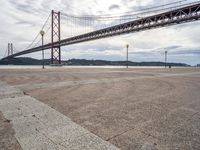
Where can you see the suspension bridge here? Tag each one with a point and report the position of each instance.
(77, 29)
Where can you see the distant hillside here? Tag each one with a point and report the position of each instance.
(23, 61)
(83, 62)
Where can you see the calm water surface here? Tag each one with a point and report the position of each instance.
(38, 67)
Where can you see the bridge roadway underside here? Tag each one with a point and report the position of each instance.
(132, 109)
(181, 15)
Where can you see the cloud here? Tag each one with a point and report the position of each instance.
(113, 7)
(22, 7)
(186, 51)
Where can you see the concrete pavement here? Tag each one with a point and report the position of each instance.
(130, 108)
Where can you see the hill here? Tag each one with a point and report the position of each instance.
(84, 62)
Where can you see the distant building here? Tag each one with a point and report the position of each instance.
(198, 65)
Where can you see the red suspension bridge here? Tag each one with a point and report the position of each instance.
(87, 28)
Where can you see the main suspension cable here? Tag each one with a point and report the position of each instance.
(45, 23)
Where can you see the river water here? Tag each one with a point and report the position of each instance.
(38, 67)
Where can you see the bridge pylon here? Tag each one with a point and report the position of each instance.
(10, 49)
(55, 39)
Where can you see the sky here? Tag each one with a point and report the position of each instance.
(21, 20)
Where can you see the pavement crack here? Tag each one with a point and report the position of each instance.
(148, 134)
(119, 134)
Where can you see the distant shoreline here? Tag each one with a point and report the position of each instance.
(24, 61)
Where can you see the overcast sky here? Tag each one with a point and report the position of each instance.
(21, 20)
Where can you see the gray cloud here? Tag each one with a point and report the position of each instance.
(22, 22)
(186, 52)
(22, 7)
(113, 7)
(172, 47)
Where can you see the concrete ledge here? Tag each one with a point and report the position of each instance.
(8, 91)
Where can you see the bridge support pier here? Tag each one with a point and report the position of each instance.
(10, 49)
(55, 39)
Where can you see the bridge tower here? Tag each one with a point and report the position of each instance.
(55, 39)
(10, 49)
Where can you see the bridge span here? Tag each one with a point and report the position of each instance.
(188, 13)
